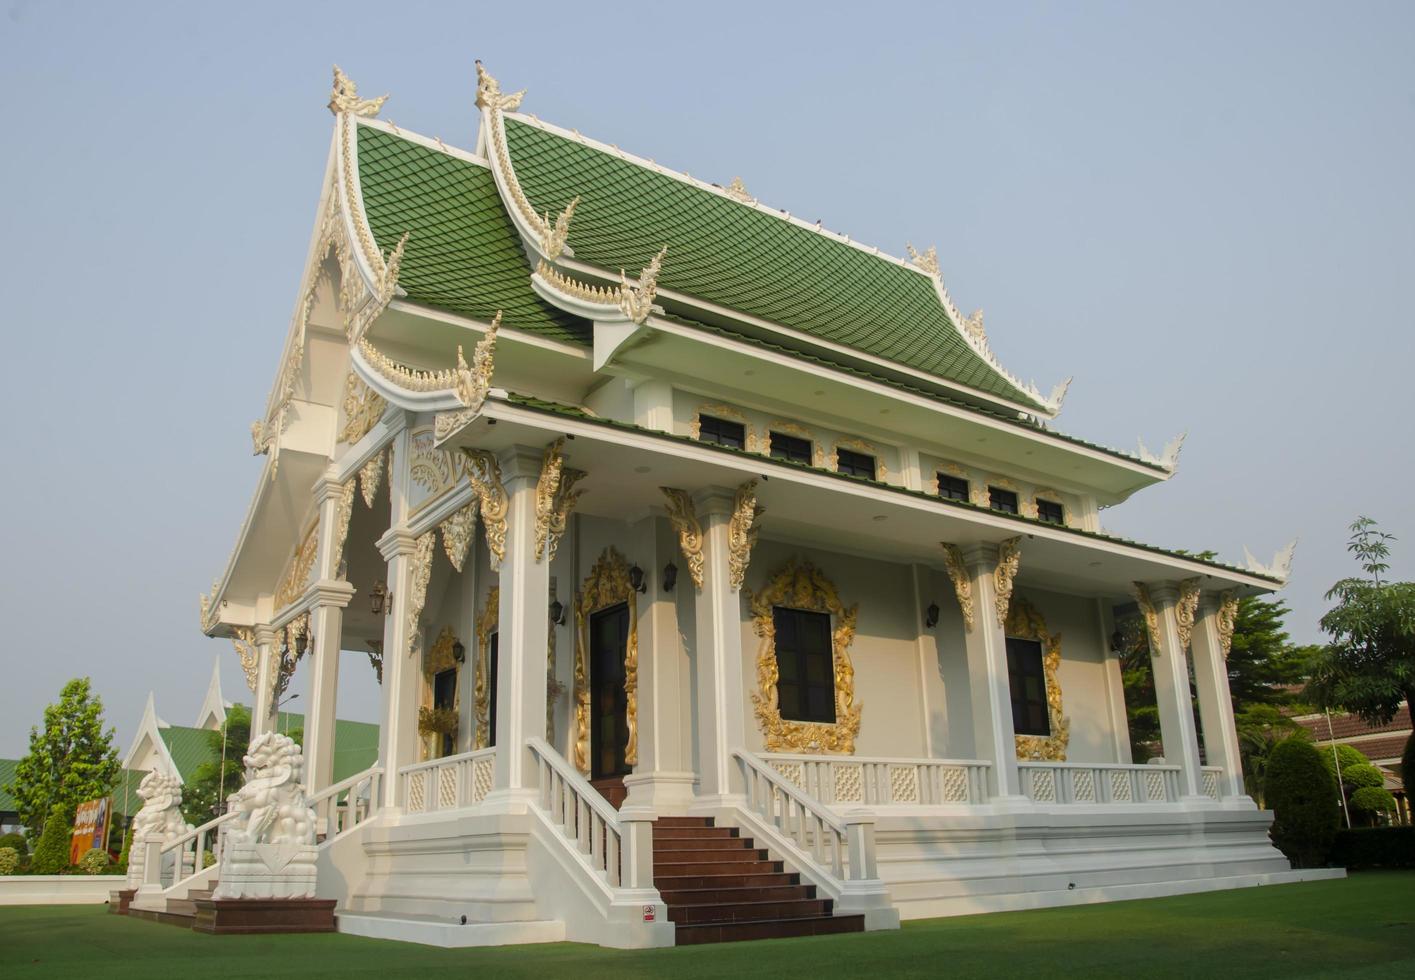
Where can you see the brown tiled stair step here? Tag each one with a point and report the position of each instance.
(188, 905)
(719, 887)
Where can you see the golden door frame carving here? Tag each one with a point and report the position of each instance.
(1024, 622)
(607, 585)
(800, 585)
(431, 724)
(487, 623)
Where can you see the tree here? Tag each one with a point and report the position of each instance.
(70, 761)
(1300, 792)
(1368, 668)
(1263, 665)
(1261, 727)
(51, 854)
(204, 795)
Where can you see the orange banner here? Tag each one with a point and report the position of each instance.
(90, 827)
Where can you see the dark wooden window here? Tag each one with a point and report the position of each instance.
(491, 671)
(609, 702)
(444, 698)
(1028, 681)
(952, 487)
(856, 464)
(805, 665)
(722, 432)
(789, 447)
(1051, 512)
(1003, 500)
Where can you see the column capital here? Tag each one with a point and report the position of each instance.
(520, 463)
(1163, 593)
(980, 555)
(396, 541)
(327, 487)
(714, 500)
(266, 634)
(330, 592)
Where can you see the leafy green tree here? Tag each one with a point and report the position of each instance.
(1260, 728)
(204, 795)
(1300, 791)
(1368, 668)
(1264, 665)
(51, 854)
(70, 761)
(1370, 801)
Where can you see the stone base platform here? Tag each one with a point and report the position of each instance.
(251, 916)
(118, 901)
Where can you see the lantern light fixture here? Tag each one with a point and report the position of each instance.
(670, 576)
(931, 615)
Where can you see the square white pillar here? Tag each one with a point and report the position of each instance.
(267, 667)
(1169, 667)
(1215, 699)
(994, 735)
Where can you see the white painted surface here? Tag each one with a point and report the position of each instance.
(58, 889)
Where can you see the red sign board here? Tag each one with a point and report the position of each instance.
(90, 827)
(649, 913)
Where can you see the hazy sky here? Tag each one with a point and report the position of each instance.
(1205, 212)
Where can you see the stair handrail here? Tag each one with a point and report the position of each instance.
(317, 801)
(615, 847)
(197, 837)
(841, 847)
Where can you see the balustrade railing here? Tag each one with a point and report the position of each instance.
(865, 781)
(349, 802)
(1098, 783)
(842, 848)
(1210, 778)
(448, 783)
(616, 849)
(184, 857)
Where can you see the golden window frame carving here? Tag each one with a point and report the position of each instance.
(861, 446)
(1024, 622)
(718, 410)
(436, 659)
(607, 585)
(486, 625)
(800, 585)
(800, 432)
(1050, 496)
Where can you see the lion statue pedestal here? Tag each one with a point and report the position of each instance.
(266, 882)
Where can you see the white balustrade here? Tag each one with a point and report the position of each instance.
(1098, 783)
(864, 781)
(840, 847)
(350, 802)
(616, 847)
(448, 783)
(1210, 779)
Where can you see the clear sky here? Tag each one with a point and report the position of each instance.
(1204, 211)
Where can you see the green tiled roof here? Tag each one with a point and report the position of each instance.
(125, 790)
(355, 742)
(463, 255)
(745, 258)
(189, 748)
(571, 411)
(7, 776)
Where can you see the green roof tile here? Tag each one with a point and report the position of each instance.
(7, 776)
(463, 255)
(746, 258)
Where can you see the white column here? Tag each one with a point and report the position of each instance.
(1114, 685)
(1170, 669)
(523, 627)
(398, 729)
(921, 578)
(662, 779)
(327, 635)
(717, 655)
(267, 667)
(653, 405)
(994, 736)
(1215, 701)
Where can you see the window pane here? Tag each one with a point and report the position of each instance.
(805, 689)
(1002, 500)
(1027, 682)
(722, 432)
(952, 487)
(1050, 511)
(789, 447)
(856, 464)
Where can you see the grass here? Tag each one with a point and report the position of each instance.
(1363, 926)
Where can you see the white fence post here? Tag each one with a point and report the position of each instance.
(860, 845)
(637, 855)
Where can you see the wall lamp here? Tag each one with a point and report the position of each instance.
(557, 612)
(670, 576)
(459, 652)
(636, 579)
(931, 615)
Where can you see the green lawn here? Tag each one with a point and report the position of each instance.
(1362, 926)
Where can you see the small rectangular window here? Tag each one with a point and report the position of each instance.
(856, 464)
(790, 447)
(1002, 500)
(805, 685)
(1051, 512)
(1027, 680)
(952, 487)
(721, 432)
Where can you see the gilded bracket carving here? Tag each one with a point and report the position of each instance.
(341, 526)
(1009, 557)
(417, 592)
(298, 570)
(457, 533)
(363, 407)
(690, 532)
(555, 498)
(486, 625)
(1024, 622)
(1184, 610)
(243, 639)
(485, 477)
(742, 532)
(370, 476)
(1227, 621)
(607, 585)
(800, 585)
(1141, 591)
(962, 583)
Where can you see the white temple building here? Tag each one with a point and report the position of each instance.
(720, 581)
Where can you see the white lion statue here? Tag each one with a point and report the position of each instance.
(161, 815)
(268, 848)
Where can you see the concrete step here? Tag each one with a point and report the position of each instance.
(727, 932)
(740, 893)
(749, 911)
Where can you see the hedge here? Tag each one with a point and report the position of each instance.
(1300, 791)
(1374, 847)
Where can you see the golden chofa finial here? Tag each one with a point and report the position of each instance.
(738, 189)
(345, 98)
(489, 94)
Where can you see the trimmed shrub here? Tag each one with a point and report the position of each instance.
(51, 854)
(1375, 847)
(1370, 800)
(123, 854)
(17, 841)
(1359, 777)
(1301, 793)
(95, 861)
(9, 860)
(1346, 754)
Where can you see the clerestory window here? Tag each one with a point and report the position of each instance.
(722, 432)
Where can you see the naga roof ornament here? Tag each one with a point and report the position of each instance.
(345, 98)
(490, 96)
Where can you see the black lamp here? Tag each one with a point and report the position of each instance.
(378, 598)
(1117, 640)
(557, 612)
(459, 652)
(636, 579)
(931, 615)
(670, 576)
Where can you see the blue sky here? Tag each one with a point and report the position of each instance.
(1202, 211)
